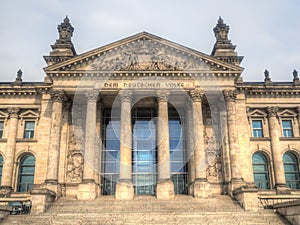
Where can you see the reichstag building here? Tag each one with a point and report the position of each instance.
(147, 116)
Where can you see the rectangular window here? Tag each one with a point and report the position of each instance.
(257, 128)
(1, 128)
(29, 129)
(287, 128)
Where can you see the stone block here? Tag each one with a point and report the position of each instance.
(41, 198)
(202, 189)
(165, 190)
(87, 191)
(124, 191)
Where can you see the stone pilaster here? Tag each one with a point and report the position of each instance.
(201, 186)
(87, 190)
(236, 177)
(164, 187)
(58, 97)
(8, 167)
(124, 188)
(279, 175)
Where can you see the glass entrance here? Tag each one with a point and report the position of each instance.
(144, 173)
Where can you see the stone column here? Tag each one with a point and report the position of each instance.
(190, 146)
(236, 176)
(278, 168)
(8, 167)
(54, 145)
(164, 187)
(201, 186)
(124, 188)
(87, 190)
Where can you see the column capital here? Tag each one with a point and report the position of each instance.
(272, 111)
(13, 112)
(58, 96)
(197, 95)
(298, 109)
(91, 95)
(162, 95)
(230, 95)
(126, 95)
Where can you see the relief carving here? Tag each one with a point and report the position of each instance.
(74, 160)
(145, 54)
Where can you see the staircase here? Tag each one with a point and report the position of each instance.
(148, 210)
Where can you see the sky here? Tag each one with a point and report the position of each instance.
(266, 32)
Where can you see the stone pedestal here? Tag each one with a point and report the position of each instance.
(202, 189)
(282, 190)
(87, 191)
(234, 184)
(165, 190)
(124, 190)
(247, 197)
(5, 191)
(41, 198)
(54, 187)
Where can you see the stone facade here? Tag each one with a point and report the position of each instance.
(66, 111)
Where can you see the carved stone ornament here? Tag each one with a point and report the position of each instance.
(126, 95)
(197, 95)
(74, 160)
(13, 112)
(214, 170)
(58, 96)
(230, 95)
(145, 54)
(162, 95)
(272, 111)
(92, 95)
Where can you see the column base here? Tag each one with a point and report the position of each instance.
(5, 191)
(202, 189)
(282, 189)
(236, 183)
(165, 190)
(87, 190)
(247, 197)
(124, 190)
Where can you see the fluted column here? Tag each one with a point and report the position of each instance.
(55, 134)
(276, 151)
(164, 187)
(236, 176)
(8, 166)
(124, 188)
(87, 190)
(201, 186)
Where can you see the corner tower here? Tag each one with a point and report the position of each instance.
(223, 48)
(63, 49)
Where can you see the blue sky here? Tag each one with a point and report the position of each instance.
(266, 32)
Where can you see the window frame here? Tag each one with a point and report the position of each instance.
(285, 129)
(25, 174)
(29, 130)
(261, 129)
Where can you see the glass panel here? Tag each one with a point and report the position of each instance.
(291, 169)
(144, 151)
(287, 128)
(26, 173)
(257, 128)
(29, 125)
(260, 171)
(1, 128)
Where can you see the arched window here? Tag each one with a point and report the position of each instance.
(261, 171)
(291, 170)
(26, 173)
(1, 167)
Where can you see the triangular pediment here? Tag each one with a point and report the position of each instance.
(287, 113)
(29, 114)
(257, 113)
(143, 52)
